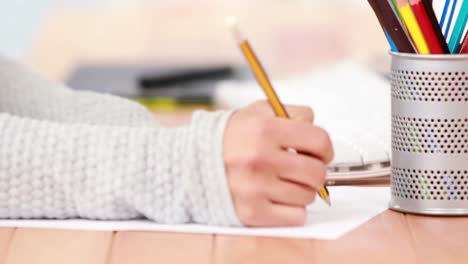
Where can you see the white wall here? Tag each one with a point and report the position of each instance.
(17, 23)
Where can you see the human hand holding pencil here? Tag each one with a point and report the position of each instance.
(302, 170)
(270, 186)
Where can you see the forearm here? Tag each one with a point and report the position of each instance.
(170, 175)
(26, 94)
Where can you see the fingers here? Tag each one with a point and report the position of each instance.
(278, 215)
(303, 137)
(264, 200)
(289, 193)
(269, 185)
(284, 215)
(301, 169)
(298, 113)
(301, 113)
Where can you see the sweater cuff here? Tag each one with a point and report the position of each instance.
(213, 203)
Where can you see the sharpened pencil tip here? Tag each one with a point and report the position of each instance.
(328, 201)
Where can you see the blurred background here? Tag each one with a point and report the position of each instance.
(291, 36)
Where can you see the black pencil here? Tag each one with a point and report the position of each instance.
(388, 19)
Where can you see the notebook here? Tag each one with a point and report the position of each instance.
(351, 101)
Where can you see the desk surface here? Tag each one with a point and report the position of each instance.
(389, 238)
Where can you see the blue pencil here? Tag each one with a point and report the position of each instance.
(449, 22)
(444, 13)
(459, 28)
(390, 41)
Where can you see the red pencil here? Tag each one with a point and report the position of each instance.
(426, 27)
(464, 45)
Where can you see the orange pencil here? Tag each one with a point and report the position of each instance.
(265, 83)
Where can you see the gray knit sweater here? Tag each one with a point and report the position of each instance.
(69, 154)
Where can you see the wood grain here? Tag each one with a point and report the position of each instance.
(156, 247)
(43, 246)
(439, 239)
(259, 250)
(6, 234)
(384, 239)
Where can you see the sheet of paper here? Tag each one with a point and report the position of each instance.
(352, 207)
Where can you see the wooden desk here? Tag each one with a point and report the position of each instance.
(389, 238)
(70, 37)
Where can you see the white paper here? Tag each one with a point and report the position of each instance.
(352, 207)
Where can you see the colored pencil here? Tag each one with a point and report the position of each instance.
(426, 27)
(459, 28)
(390, 42)
(444, 13)
(395, 6)
(390, 22)
(413, 27)
(435, 25)
(450, 18)
(464, 46)
(265, 83)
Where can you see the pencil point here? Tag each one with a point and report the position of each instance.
(328, 201)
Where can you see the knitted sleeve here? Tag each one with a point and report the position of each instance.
(67, 154)
(60, 170)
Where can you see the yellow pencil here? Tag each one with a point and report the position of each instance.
(411, 24)
(265, 83)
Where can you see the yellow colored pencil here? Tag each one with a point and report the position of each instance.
(265, 83)
(411, 24)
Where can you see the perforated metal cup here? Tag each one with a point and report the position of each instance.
(429, 134)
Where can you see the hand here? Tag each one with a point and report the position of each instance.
(269, 185)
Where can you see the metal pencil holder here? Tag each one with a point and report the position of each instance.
(429, 134)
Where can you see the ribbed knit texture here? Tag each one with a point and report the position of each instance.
(68, 154)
